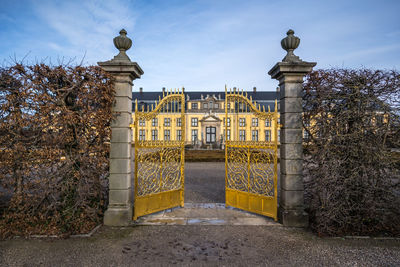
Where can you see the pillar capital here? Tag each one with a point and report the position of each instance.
(291, 70)
(132, 69)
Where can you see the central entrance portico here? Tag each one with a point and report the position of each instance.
(211, 130)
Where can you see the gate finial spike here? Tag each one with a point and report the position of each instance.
(174, 90)
(136, 106)
(269, 109)
(276, 105)
(263, 108)
(148, 108)
(163, 93)
(159, 98)
(226, 90)
(242, 91)
(246, 94)
(143, 108)
(251, 99)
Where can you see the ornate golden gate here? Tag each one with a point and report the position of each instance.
(250, 166)
(159, 154)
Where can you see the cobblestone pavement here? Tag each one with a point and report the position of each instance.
(204, 214)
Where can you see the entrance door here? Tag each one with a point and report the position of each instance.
(250, 165)
(210, 135)
(159, 155)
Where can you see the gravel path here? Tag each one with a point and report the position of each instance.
(205, 182)
(197, 245)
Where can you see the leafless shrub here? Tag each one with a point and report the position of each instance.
(351, 168)
(54, 125)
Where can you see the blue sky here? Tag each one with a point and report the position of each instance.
(203, 45)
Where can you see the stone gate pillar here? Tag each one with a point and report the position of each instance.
(290, 73)
(124, 71)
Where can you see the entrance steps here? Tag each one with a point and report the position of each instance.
(204, 214)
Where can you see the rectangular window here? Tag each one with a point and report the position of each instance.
(306, 135)
(154, 135)
(167, 135)
(228, 134)
(195, 122)
(194, 135)
(242, 135)
(210, 134)
(179, 122)
(228, 106)
(142, 135)
(379, 120)
(194, 106)
(216, 106)
(254, 135)
(179, 135)
(167, 122)
(254, 122)
(242, 122)
(268, 135)
(154, 122)
(268, 123)
(142, 123)
(228, 122)
(205, 105)
(279, 135)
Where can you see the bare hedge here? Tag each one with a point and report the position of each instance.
(352, 179)
(54, 125)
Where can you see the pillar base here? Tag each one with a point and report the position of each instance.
(118, 215)
(293, 218)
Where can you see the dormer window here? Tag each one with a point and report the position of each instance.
(210, 104)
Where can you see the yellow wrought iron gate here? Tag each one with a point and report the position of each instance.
(159, 132)
(250, 166)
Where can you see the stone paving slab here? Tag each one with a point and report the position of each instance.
(204, 214)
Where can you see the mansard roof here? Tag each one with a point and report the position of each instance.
(258, 96)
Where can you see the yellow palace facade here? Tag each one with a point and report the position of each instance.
(204, 114)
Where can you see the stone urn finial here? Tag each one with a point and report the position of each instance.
(290, 43)
(122, 43)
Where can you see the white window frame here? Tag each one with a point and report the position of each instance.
(195, 122)
(242, 135)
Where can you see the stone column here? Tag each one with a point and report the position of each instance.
(120, 208)
(290, 73)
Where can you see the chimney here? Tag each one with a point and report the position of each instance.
(141, 90)
(183, 89)
(254, 89)
(278, 89)
(163, 89)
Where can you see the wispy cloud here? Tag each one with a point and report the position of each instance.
(206, 44)
(85, 26)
